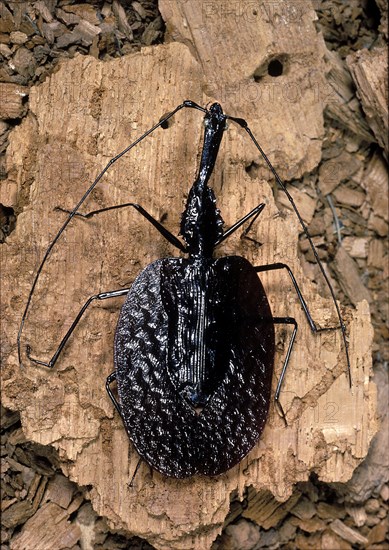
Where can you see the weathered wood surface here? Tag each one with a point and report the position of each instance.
(79, 118)
(369, 70)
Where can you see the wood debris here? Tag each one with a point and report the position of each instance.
(12, 100)
(347, 533)
(370, 73)
(34, 36)
(348, 277)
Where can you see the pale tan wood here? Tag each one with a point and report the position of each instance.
(11, 100)
(369, 70)
(339, 95)
(80, 117)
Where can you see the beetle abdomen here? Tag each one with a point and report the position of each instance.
(156, 354)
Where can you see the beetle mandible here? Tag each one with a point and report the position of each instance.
(194, 346)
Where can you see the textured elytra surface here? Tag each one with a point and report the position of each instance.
(157, 349)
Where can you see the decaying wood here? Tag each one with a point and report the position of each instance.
(11, 100)
(333, 171)
(375, 181)
(347, 533)
(265, 510)
(348, 277)
(80, 117)
(370, 73)
(341, 102)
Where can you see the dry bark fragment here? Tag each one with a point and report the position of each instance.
(347, 533)
(357, 247)
(358, 513)
(330, 541)
(375, 182)
(348, 277)
(11, 100)
(330, 511)
(83, 11)
(311, 525)
(369, 69)
(47, 529)
(265, 510)
(335, 170)
(378, 532)
(342, 105)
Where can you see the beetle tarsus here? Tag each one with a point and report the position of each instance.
(281, 410)
(37, 361)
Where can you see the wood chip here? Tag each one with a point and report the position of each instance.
(375, 181)
(331, 541)
(5, 51)
(378, 224)
(6, 19)
(87, 32)
(357, 247)
(348, 277)
(67, 18)
(384, 493)
(369, 69)
(137, 6)
(18, 37)
(304, 509)
(39, 493)
(17, 514)
(312, 542)
(311, 525)
(43, 531)
(24, 62)
(349, 197)
(121, 18)
(265, 510)
(41, 7)
(372, 505)
(330, 511)
(358, 513)
(333, 171)
(83, 11)
(60, 490)
(347, 533)
(11, 100)
(379, 532)
(34, 487)
(339, 97)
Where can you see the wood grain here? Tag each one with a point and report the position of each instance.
(79, 118)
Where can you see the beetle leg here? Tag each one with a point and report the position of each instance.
(303, 303)
(111, 378)
(131, 484)
(101, 296)
(164, 232)
(161, 123)
(287, 321)
(243, 124)
(255, 212)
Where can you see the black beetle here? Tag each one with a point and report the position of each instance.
(194, 345)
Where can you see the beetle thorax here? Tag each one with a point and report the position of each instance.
(201, 223)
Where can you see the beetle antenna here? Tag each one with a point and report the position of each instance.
(161, 122)
(241, 122)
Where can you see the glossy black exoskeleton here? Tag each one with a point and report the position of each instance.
(194, 345)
